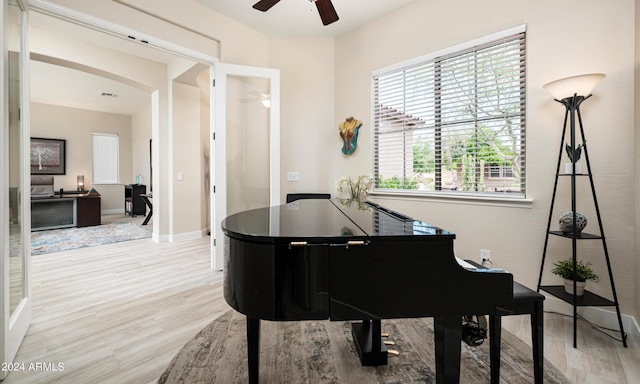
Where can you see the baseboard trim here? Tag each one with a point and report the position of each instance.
(602, 317)
(112, 211)
(185, 236)
(160, 238)
(180, 237)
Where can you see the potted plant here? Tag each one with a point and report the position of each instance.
(574, 155)
(357, 189)
(564, 269)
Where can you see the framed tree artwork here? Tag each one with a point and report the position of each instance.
(48, 156)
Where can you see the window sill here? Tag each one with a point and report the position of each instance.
(497, 201)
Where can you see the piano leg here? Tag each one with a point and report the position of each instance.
(495, 334)
(368, 340)
(537, 331)
(448, 335)
(253, 349)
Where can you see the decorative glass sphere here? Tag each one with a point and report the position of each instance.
(566, 222)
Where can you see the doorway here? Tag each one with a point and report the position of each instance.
(136, 86)
(247, 145)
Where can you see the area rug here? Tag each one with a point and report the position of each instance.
(56, 240)
(324, 352)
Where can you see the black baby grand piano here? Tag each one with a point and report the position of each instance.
(320, 259)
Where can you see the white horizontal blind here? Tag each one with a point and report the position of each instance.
(105, 158)
(454, 123)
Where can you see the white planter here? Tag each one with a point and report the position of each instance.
(568, 287)
(568, 168)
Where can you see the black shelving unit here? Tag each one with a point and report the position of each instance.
(588, 299)
(133, 203)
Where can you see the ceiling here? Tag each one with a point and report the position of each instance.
(59, 85)
(299, 18)
(66, 87)
(55, 84)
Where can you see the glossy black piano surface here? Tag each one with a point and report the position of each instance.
(320, 259)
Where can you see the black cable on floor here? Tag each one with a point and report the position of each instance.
(598, 328)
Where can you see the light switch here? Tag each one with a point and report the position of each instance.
(180, 176)
(293, 176)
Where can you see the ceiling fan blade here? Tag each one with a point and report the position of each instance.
(327, 12)
(265, 5)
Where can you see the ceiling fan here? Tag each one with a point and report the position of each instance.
(326, 10)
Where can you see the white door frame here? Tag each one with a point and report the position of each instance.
(218, 145)
(14, 327)
(16, 323)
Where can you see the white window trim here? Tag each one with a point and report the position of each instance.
(93, 168)
(456, 48)
(457, 198)
(444, 197)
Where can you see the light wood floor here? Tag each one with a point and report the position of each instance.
(118, 313)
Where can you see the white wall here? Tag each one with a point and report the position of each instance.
(75, 126)
(145, 16)
(598, 38)
(140, 136)
(192, 25)
(187, 161)
(309, 134)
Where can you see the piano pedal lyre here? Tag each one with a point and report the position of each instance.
(393, 352)
(390, 342)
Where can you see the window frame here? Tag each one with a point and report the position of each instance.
(96, 161)
(508, 195)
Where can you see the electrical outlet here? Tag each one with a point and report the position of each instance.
(485, 254)
(293, 176)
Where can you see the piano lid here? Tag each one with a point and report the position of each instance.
(301, 220)
(377, 220)
(321, 220)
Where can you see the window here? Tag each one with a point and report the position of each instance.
(454, 121)
(494, 170)
(105, 158)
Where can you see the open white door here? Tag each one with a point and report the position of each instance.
(246, 158)
(15, 211)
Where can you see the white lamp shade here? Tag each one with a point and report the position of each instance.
(580, 85)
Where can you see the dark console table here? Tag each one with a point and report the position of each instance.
(88, 211)
(66, 210)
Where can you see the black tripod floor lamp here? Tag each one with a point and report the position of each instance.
(571, 92)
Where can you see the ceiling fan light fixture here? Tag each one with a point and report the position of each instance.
(265, 100)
